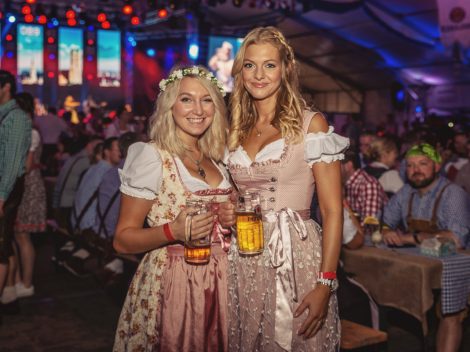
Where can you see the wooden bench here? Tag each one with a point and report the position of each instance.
(355, 335)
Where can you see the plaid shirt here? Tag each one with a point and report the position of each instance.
(364, 194)
(15, 139)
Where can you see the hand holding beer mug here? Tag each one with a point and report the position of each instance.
(250, 236)
(197, 248)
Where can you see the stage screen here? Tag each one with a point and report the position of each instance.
(222, 51)
(70, 56)
(30, 54)
(109, 58)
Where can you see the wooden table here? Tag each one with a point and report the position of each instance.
(395, 279)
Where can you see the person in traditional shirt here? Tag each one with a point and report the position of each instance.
(427, 206)
(15, 139)
(172, 305)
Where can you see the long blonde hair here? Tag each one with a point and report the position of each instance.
(162, 128)
(288, 116)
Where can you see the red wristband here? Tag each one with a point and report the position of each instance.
(168, 233)
(330, 275)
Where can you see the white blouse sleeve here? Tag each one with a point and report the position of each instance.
(141, 175)
(325, 146)
(35, 140)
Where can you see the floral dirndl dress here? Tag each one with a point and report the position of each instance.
(172, 305)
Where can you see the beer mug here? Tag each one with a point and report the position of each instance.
(250, 237)
(197, 251)
(372, 230)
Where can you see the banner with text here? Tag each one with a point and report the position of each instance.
(454, 22)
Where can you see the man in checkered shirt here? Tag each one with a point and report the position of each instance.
(364, 193)
(15, 139)
(430, 205)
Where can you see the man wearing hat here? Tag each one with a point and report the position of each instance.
(427, 206)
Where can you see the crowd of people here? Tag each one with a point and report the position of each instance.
(320, 190)
(80, 159)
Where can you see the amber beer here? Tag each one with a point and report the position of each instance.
(250, 236)
(197, 251)
(195, 254)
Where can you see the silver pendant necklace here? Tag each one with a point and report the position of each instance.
(200, 170)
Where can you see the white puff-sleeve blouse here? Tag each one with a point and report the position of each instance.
(325, 146)
(141, 175)
(320, 146)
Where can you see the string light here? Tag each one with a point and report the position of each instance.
(127, 9)
(26, 10)
(162, 13)
(101, 17)
(42, 19)
(70, 14)
(135, 20)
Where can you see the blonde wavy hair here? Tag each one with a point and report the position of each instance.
(162, 128)
(380, 146)
(288, 116)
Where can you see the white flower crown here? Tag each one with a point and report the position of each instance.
(179, 74)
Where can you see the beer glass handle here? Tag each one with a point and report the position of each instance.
(188, 223)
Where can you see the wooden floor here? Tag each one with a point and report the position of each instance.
(70, 314)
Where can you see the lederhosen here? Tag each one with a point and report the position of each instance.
(429, 226)
(422, 225)
(10, 209)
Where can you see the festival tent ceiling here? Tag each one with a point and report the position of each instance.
(340, 44)
(360, 45)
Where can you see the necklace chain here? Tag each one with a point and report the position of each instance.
(258, 132)
(200, 170)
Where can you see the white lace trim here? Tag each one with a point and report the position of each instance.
(325, 146)
(326, 159)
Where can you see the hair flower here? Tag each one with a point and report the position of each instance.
(194, 71)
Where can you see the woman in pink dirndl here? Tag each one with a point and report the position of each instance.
(283, 299)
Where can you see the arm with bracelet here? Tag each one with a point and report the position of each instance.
(139, 190)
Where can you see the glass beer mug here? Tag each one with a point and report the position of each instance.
(197, 251)
(250, 236)
(372, 230)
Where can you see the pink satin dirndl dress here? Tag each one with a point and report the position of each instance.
(265, 289)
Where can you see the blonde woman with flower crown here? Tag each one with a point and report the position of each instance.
(172, 305)
(283, 299)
